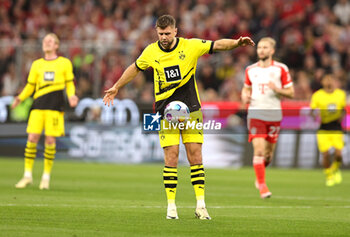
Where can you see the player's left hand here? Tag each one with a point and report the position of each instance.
(109, 96)
(16, 102)
(73, 101)
(244, 41)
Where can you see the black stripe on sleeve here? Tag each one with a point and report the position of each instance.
(138, 67)
(211, 47)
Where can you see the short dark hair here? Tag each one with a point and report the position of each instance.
(165, 21)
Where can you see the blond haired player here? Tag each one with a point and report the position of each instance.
(265, 83)
(174, 61)
(48, 78)
(331, 103)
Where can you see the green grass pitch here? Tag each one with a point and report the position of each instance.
(88, 199)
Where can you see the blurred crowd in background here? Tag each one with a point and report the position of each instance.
(313, 38)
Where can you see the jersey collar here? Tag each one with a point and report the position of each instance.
(169, 50)
(272, 62)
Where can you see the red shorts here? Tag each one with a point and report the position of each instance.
(264, 129)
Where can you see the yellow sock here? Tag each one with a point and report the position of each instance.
(170, 183)
(328, 172)
(197, 179)
(335, 165)
(29, 157)
(49, 156)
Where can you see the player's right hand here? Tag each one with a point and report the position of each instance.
(246, 98)
(16, 102)
(109, 96)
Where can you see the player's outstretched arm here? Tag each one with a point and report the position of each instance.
(229, 44)
(129, 74)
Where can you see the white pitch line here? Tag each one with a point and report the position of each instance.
(211, 207)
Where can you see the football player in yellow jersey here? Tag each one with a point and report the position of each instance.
(48, 77)
(331, 103)
(174, 62)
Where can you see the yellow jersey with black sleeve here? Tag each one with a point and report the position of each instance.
(331, 106)
(48, 79)
(174, 71)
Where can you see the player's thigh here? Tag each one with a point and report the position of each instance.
(259, 144)
(193, 133)
(36, 121)
(168, 136)
(54, 123)
(324, 142)
(257, 129)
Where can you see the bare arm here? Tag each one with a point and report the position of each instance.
(229, 44)
(287, 92)
(246, 95)
(129, 74)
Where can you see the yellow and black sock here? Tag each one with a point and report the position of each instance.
(170, 183)
(29, 157)
(197, 179)
(49, 156)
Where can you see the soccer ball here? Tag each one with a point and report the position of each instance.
(176, 112)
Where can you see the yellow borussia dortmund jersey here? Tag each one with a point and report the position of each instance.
(331, 106)
(174, 71)
(50, 77)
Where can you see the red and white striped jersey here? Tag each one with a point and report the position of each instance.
(265, 103)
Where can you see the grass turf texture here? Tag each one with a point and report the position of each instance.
(88, 199)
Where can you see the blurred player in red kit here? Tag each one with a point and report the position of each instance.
(266, 82)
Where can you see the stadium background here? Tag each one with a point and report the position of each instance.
(103, 37)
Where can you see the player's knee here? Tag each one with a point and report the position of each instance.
(259, 152)
(268, 160)
(34, 138)
(171, 155)
(50, 140)
(338, 155)
(325, 155)
(194, 155)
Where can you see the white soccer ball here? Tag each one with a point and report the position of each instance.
(176, 112)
